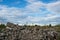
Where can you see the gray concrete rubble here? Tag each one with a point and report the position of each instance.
(15, 32)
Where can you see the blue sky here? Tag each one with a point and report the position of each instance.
(30, 11)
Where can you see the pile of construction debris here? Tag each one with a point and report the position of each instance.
(16, 32)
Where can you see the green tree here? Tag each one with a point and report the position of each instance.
(2, 26)
(50, 25)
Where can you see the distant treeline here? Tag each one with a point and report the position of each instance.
(2, 26)
(50, 25)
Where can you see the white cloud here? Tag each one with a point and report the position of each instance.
(33, 19)
(14, 14)
(31, 1)
(35, 7)
(51, 17)
(54, 7)
(10, 13)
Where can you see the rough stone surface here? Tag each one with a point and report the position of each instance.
(15, 32)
